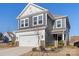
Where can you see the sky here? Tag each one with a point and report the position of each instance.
(9, 12)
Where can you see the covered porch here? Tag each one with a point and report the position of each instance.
(60, 36)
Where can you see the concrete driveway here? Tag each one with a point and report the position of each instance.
(15, 51)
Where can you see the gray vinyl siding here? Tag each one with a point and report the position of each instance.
(63, 25)
(49, 23)
(48, 38)
(30, 21)
(67, 24)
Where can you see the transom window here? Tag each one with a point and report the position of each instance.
(59, 23)
(38, 20)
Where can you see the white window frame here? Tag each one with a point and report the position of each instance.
(20, 23)
(37, 20)
(57, 24)
(33, 21)
(24, 22)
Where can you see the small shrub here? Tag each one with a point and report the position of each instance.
(67, 54)
(52, 49)
(42, 48)
(60, 44)
(34, 49)
(12, 43)
(51, 46)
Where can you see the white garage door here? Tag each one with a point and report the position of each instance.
(29, 40)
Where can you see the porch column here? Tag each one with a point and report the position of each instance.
(67, 38)
(56, 41)
(63, 38)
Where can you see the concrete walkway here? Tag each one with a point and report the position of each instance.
(15, 51)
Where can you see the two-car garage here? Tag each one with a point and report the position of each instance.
(28, 40)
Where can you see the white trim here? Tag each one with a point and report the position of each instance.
(21, 22)
(38, 20)
(33, 20)
(28, 22)
(46, 18)
(18, 24)
(24, 22)
(39, 7)
(22, 11)
(42, 19)
(27, 7)
(63, 36)
(61, 23)
(65, 22)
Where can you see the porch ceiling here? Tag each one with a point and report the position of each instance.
(57, 32)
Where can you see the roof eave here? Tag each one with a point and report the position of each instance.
(27, 7)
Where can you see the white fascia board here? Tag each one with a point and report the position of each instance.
(22, 11)
(39, 7)
(28, 6)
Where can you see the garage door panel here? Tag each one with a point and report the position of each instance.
(29, 40)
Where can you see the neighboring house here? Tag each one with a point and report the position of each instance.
(74, 39)
(36, 26)
(8, 36)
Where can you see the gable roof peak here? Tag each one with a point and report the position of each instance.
(31, 4)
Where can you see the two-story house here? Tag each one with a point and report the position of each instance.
(36, 26)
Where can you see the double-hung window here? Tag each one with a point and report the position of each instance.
(35, 20)
(59, 23)
(38, 20)
(22, 23)
(26, 22)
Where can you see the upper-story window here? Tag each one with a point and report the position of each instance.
(22, 23)
(59, 23)
(35, 20)
(38, 20)
(26, 22)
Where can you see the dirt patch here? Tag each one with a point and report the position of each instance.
(59, 52)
